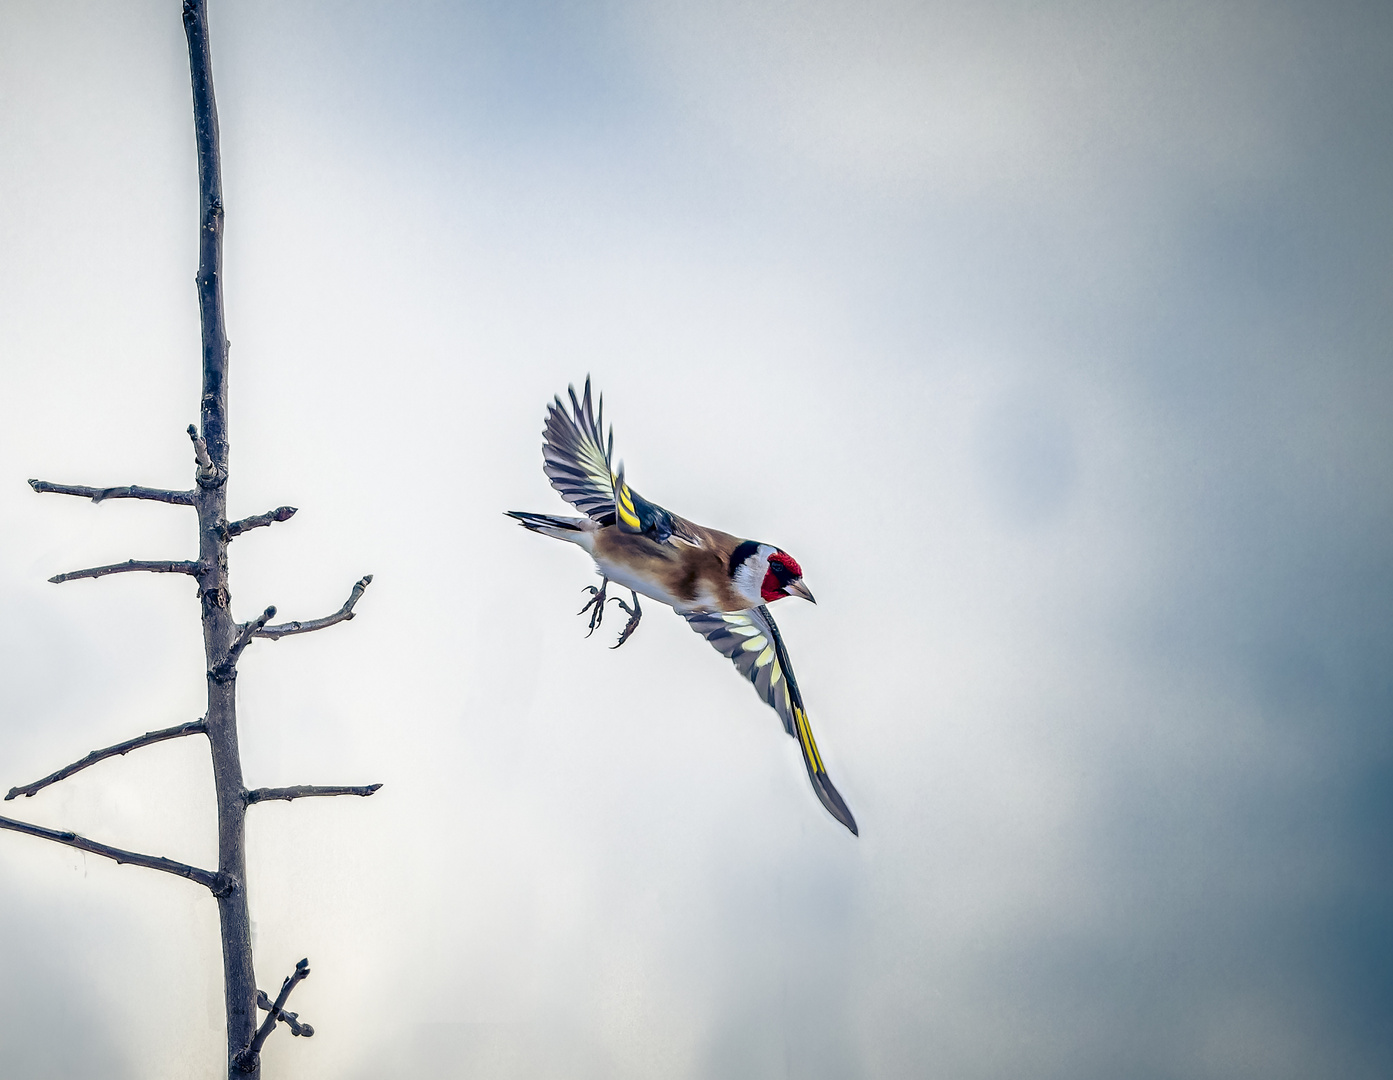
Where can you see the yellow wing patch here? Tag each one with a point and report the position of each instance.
(627, 514)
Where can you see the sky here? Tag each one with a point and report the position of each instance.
(1053, 340)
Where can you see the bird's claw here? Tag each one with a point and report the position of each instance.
(635, 613)
(595, 605)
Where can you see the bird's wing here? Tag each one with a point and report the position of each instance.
(576, 458)
(751, 640)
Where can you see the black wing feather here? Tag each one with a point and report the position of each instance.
(577, 459)
(752, 641)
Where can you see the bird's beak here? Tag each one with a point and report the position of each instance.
(797, 588)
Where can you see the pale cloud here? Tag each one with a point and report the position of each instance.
(1049, 339)
(1005, 100)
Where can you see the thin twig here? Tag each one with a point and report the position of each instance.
(207, 474)
(289, 1019)
(133, 491)
(302, 791)
(237, 528)
(248, 1059)
(158, 567)
(194, 727)
(275, 633)
(246, 632)
(216, 883)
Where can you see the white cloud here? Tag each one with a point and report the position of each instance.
(940, 300)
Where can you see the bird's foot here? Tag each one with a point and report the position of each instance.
(635, 613)
(595, 605)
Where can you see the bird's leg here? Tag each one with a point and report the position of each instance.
(595, 605)
(635, 613)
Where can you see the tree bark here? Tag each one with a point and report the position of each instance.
(220, 630)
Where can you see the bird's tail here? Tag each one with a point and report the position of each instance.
(817, 773)
(576, 530)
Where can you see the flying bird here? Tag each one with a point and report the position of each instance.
(722, 585)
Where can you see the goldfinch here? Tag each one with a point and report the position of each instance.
(722, 585)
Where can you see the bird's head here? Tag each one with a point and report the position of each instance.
(767, 572)
(783, 577)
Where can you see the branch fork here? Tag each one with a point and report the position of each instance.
(227, 670)
(275, 633)
(289, 1019)
(209, 474)
(217, 883)
(249, 1058)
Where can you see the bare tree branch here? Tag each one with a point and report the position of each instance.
(303, 791)
(220, 630)
(194, 727)
(289, 1019)
(275, 633)
(224, 638)
(237, 528)
(208, 474)
(158, 567)
(177, 498)
(200, 452)
(224, 671)
(215, 883)
(248, 1060)
(248, 631)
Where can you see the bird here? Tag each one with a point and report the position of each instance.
(720, 583)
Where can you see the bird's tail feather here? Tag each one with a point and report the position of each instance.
(822, 783)
(576, 530)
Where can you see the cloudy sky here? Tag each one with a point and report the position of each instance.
(1052, 339)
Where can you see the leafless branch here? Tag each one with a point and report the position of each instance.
(275, 633)
(195, 727)
(208, 474)
(245, 633)
(302, 791)
(289, 1019)
(178, 498)
(237, 528)
(224, 638)
(216, 883)
(247, 1059)
(159, 567)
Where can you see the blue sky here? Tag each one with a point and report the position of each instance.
(1053, 340)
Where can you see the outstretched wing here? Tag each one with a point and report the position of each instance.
(576, 458)
(751, 640)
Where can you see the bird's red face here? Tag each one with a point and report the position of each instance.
(783, 578)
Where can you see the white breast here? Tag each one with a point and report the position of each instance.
(620, 575)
